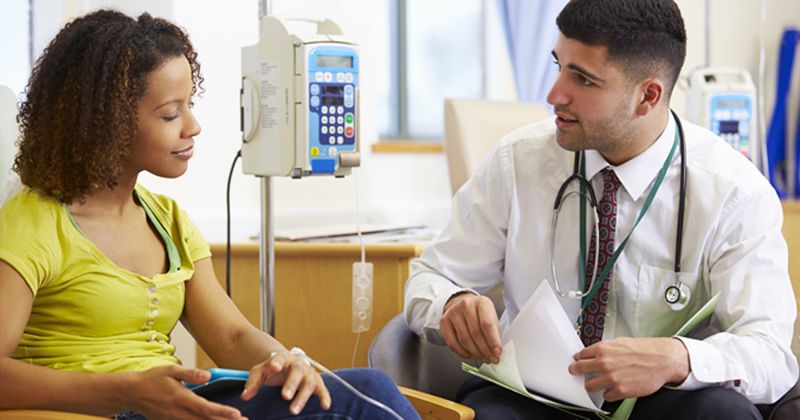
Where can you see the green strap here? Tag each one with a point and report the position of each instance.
(610, 263)
(173, 255)
(582, 226)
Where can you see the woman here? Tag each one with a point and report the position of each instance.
(95, 270)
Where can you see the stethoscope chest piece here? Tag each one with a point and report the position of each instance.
(677, 295)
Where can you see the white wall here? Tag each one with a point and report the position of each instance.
(388, 183)
(735, 35)
(399, 189)
(394, 188)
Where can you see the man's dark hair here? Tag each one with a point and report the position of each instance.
(645, 36)
(78, 120)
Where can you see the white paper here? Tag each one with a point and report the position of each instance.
(539, 345)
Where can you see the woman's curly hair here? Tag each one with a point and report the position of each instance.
(78, 120)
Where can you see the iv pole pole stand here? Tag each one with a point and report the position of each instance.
(266, 247)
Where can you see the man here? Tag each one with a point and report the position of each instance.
(618, 63)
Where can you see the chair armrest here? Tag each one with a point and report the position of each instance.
(44, 415)
(431, 407)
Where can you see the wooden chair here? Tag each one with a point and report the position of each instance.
(9, 131)
(44, 415)
(429, 407)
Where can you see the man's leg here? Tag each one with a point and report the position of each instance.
(494, 402)
(707, 403)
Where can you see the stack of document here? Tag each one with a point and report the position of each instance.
(538, 349)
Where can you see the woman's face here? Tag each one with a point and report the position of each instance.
(166, 126)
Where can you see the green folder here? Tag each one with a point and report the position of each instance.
(624, 410)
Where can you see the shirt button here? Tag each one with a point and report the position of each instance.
(152, 289)
(150, 322)
(153, 337)
(154, 302)
(154, 312)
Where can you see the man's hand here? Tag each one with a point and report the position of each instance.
(632, 367)
(470, 327)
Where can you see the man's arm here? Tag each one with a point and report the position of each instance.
(468, 256)
(748, 265)
(756, 311)
(632, 367)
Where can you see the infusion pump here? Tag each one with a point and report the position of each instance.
(300, 102)
(723, 100)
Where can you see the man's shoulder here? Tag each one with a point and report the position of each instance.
(530, 143)
(709, 154)
(539, 133)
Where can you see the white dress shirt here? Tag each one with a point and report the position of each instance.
(732, 244)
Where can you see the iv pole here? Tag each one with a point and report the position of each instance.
(266, 247)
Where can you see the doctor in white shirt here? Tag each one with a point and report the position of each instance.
(618, 62)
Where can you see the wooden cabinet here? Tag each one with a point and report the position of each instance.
(313, 287)
(313, 294)
(791, 231)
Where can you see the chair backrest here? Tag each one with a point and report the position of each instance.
(9, 131)
(473, 126)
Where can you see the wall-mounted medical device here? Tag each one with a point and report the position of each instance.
(300, 101)
(724, 101)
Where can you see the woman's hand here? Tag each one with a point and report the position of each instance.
(159, 394)
(299, 380)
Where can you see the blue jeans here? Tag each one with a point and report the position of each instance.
(269, 405)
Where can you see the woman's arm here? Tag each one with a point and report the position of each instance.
(232, 342)
(156, 392)
(28, 386)
(219, 327)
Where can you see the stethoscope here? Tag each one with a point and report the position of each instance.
(677, 295)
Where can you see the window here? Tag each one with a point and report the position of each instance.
(429, 58)
(14, 42)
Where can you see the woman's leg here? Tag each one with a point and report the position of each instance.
(268, 403)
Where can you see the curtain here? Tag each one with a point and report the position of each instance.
(531, 32)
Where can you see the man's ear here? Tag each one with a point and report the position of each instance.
(652, 93)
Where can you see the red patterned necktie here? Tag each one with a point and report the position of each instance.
(594, 315)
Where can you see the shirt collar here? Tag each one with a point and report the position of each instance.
(638, 173)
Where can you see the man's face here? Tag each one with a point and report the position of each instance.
(593, 102)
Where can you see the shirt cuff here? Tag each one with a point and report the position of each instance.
(432, 331)
(706, 364)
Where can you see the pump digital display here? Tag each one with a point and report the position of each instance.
(332, 90)
(334, 61)
(332, 100)
(731, 103)
(729, 127)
